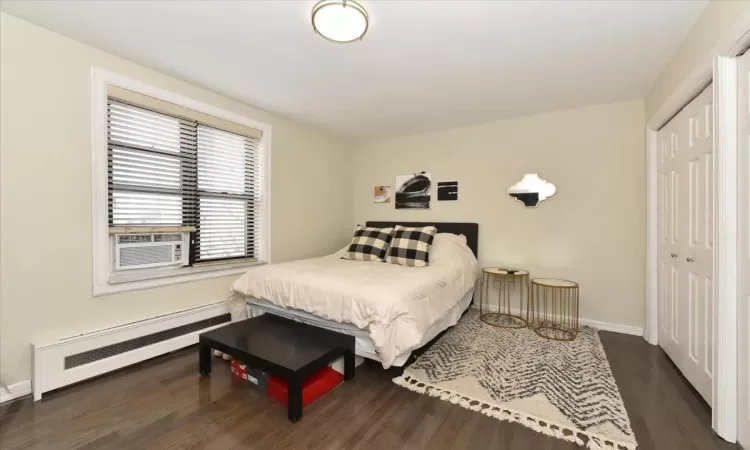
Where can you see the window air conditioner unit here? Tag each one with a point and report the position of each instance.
(142, 251)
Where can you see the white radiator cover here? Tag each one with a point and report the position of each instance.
(49, 358)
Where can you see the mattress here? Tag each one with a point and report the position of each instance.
(397, 305)
(364, 346)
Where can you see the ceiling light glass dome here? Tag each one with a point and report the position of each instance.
(340, 20)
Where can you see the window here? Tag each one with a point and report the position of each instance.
(169, 168)
(170, 171)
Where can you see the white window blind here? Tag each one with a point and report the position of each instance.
(167, 170)
(228, 193)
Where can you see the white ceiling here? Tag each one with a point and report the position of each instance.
(423, 65)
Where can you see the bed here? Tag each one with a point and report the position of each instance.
(391, 310)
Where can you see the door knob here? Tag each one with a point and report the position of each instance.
(689, 259)
(673, 255)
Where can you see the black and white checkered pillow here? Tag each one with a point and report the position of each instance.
(369, 244)
(411, 246)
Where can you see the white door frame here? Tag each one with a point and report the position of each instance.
(720, 67)
(725, 248)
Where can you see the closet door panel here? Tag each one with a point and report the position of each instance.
(686, 241)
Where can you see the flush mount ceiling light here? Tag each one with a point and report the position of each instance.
(340, 20)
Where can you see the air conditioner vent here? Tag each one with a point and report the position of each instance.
(174, 237)
(133, 238)
(108, 351)
(142, 256)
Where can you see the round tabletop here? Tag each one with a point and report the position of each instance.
(554, 282)
(504, 271)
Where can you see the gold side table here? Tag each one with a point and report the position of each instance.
(512, 286)
(554, 308)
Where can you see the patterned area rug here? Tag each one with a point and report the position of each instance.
(562, 389)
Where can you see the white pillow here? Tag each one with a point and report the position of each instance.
(447, 247)
(457, 238)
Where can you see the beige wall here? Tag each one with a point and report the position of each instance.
(593, 231)
(710, 28)
(45, 195)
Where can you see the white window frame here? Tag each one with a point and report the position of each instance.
(104, 280)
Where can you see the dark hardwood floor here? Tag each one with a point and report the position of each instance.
(164, 403)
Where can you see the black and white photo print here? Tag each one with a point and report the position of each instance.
(413, 191)
(447, 190)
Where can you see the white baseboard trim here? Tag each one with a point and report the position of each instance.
(599, 325)
(614, 327)
(49, 358)
(15, 390)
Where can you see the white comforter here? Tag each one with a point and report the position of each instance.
(396, 304)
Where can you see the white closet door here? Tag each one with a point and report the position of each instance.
(743, 178)
(686, 306)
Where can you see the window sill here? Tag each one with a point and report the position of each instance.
(150, 278)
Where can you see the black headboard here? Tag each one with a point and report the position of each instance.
(470, 230)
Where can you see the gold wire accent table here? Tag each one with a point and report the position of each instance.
(500, 313)
(553, 308)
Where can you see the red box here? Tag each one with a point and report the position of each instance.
(313, 388)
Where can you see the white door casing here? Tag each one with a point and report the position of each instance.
(720, 65)
(685, 245)
(743, 248)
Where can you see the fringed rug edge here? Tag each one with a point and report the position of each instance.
(503, 413)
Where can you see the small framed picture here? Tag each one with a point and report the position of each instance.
(447, 190)
(413, 191)
(382, 194)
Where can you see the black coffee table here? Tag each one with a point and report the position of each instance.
(279, 347)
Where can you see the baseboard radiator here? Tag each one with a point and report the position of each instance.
(77, 358)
